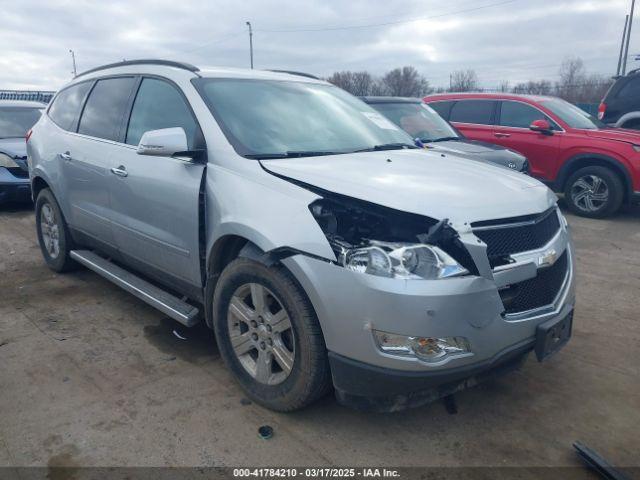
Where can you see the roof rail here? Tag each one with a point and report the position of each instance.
(144, 61)
(293, 72)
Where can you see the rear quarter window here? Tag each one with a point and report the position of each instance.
(106, 107)
(473, 111)
(65, 109)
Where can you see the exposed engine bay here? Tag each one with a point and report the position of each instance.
(351, 224)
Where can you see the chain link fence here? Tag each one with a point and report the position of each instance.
(30, 95)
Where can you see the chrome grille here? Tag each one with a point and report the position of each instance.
(514, 235)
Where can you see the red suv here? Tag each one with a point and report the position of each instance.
(597, 167)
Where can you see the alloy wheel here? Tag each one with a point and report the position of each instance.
(261, 334)
(590, 193)
(50, 231)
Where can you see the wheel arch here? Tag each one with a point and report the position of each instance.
(37, 185)
(596, 159)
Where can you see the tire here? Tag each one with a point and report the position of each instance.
(594, 192)
(51, 226)
(261, 333)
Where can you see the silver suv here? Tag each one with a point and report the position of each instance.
(322, 247)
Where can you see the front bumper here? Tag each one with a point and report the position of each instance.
(13, 188)
(371, 388)
(350, 305)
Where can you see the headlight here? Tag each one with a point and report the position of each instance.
(404, 261)
(7, 161)
(428, 349)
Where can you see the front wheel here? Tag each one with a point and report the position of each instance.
(594, 192)
(269, 336)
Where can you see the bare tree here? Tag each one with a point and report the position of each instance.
(405, 82)
(576, 86)
(344, 80)
(464, 81)
(532, 87)
(504, 86)
(362, 83)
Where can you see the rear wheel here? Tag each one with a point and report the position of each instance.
(269, 336)
(594, 192)
(53, 234)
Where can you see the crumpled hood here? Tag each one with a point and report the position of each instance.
(14, 147)
(618, 134)
(427, 183)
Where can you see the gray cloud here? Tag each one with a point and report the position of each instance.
(515, 41)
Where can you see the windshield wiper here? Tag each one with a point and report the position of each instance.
(442, 139)
(387, 146)
(289, 154)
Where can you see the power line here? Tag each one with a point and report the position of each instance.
(384, 24)
(213, 42)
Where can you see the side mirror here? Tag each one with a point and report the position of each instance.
(165, 142)
(541, 126)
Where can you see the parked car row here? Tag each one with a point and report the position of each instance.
(595, 166)
(323, 247)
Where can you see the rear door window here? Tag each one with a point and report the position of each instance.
(159, 105)
(65, 109)
(473, 111)
(630, 89)
(521, 115)
(105, 108)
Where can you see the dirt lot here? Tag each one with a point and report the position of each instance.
(89, 375)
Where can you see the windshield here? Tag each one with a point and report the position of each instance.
(418, 120)
(273, 119)
(16, 122)
(572, 115)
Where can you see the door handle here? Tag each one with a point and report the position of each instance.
(502, 135)
(66, 156)
(120, 171)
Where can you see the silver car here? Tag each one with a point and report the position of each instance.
(323, 248)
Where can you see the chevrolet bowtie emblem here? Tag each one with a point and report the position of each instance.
(548, 258)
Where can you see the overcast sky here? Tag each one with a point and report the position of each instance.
(514, 40)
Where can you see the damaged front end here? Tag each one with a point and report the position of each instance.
(385, 242)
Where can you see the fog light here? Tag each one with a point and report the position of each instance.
(428, 349)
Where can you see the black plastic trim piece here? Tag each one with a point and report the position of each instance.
(293, 72)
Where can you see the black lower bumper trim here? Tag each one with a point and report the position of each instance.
(372, 388)
(15, 192)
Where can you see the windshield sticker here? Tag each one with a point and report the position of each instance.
(380, 121)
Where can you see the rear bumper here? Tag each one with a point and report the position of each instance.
(12, 188)
(367, 387)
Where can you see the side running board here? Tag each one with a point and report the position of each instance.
(156, 297)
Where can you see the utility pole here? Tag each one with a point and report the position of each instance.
(73, 59)
(251, 43)
(624, 36)
(626, 47)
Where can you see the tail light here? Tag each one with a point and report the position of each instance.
(601, 110)
(28, 135)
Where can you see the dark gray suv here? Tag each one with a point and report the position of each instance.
(425, 124)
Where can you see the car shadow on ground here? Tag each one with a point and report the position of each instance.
(15, 207)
